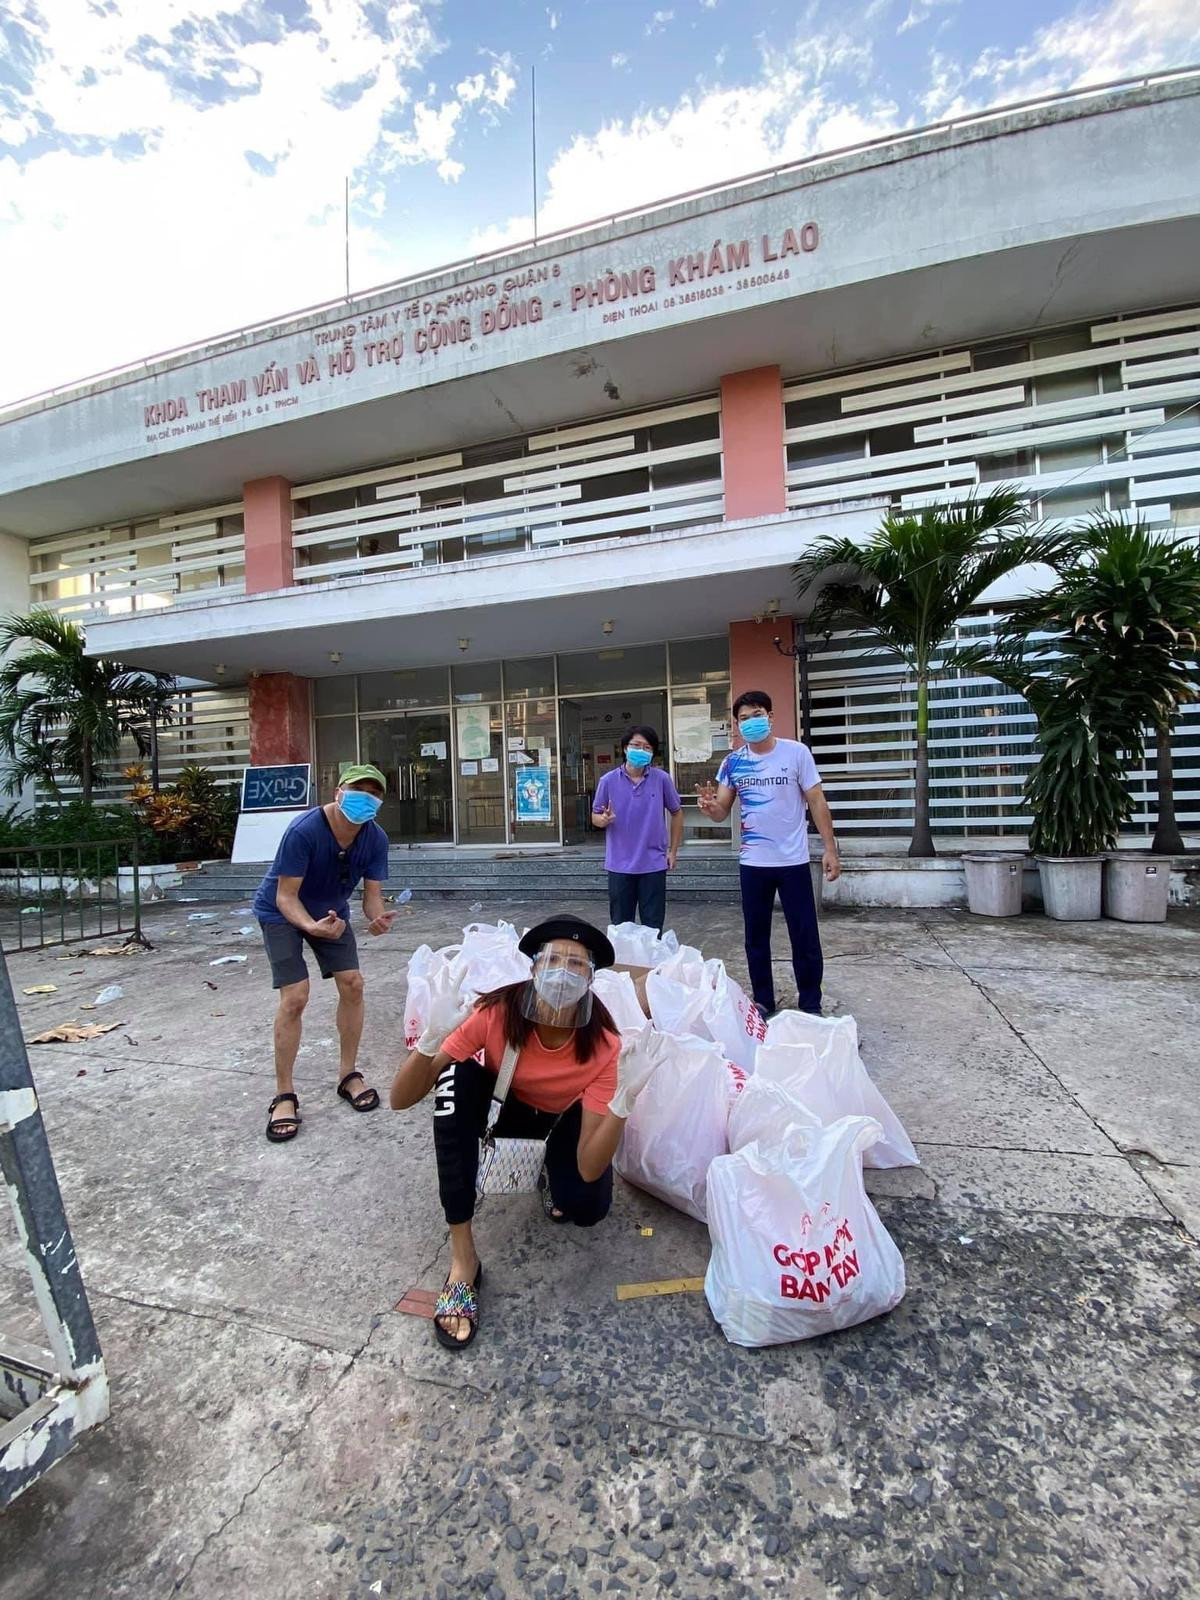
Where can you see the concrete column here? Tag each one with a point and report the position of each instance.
(752, 443)
(280, 719)
(754, 663)
(15, 596)
(267, 505)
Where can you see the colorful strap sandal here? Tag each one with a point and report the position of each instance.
(281, 1129)
(365, 1100)
(549, 1209)
(457, 1300)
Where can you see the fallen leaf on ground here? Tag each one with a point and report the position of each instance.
(74, 1032)
(115, 950)
(42, 988)
(209, 984)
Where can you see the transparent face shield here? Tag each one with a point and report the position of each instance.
(559, 993)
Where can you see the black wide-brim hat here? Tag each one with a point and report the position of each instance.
(593, 941)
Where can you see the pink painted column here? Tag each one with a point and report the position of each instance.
(267, 508)
(280, 719)
(752, 443)
(754, 663)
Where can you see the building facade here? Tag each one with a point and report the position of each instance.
(470, 526)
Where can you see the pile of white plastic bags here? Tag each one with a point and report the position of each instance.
(760, 1130)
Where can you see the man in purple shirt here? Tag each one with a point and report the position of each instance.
(630, 805)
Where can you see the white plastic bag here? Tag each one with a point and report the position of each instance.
(731, 1017)
(798, 1248)
(823, 1033)
(679, 1123)
(416, 1003)
(616, 990)
(676, 992)
(836, 1084)
(764, 1111)
(636, 946)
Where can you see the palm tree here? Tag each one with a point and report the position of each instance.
(62, 711)
(910, 582)
(1124, 623)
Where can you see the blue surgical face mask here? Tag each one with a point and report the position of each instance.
(754, 729)
(356, 805)
(638, 758)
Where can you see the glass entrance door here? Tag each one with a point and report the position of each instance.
(414, 752)
(576, 800)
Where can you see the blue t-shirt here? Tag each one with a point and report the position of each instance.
(770, 790)
(309, 851)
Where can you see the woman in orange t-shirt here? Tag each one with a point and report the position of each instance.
(574, 1085)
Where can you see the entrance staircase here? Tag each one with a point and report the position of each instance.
(557, 877)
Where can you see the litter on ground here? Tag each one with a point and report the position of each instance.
(74, 1032)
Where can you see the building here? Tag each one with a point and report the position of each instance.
(469, 525)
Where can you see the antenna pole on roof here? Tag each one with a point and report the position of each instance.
(533, 141)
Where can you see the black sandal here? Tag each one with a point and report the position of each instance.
(548, 1206)
(281, 1129)
(458, 1300)
(364, 1100)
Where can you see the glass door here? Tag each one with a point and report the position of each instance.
(576, 798)
(413, 750)
(481, 775)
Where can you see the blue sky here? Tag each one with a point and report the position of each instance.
(172, 169)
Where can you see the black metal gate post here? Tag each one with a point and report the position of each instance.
(47, 1398)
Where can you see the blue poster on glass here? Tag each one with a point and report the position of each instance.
(533, 794)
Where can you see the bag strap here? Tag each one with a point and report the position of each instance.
(504, 1078)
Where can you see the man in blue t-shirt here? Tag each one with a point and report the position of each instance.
(777, 786)
(305, 900)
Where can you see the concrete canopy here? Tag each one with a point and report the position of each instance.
(953, 235)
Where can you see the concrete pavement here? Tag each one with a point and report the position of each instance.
(1021, 1426)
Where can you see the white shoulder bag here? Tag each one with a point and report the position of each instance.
(507, 1166)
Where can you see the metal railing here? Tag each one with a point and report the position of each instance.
(48, 1398)
(67, 888)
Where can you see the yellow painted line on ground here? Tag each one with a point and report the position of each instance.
(639, 1291)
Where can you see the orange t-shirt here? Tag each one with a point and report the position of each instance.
(548, 1080)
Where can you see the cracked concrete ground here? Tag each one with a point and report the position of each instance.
(1021, 1426)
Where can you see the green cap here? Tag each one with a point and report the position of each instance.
(361, 774)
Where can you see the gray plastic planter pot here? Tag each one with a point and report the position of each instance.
(1136, 886)
(1071, 887)
(994, 881)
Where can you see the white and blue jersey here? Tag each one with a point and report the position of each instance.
(770, 789)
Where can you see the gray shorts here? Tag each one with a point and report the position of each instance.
(285, 947)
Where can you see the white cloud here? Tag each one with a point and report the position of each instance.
(232, 210)
(1092, 44)
(658, 23)
(709, 5)
(920, 11)
(619, 60)
(714, 134)
(552, 18)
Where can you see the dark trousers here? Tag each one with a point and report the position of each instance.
(794, 887)
(461, 1099)
(641, 892)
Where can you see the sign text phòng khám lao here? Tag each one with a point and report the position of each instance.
(480, 313)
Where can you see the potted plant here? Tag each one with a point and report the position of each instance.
(1115, 643)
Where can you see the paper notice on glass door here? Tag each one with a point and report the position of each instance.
(693, 739)
(435, 752)
(469, 769)
(490, 764)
